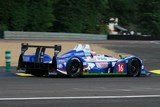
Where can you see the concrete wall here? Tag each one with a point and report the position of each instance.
(52, 36)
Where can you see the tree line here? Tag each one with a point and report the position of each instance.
(80, 16)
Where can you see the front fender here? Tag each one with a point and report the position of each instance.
(121, 66)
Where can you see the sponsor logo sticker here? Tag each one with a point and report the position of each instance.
(102, 64)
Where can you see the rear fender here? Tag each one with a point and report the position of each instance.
(62, 63)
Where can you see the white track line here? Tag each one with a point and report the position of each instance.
(83, 97)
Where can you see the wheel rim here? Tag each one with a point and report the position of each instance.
(74, 67)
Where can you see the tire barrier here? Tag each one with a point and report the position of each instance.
(8, 60)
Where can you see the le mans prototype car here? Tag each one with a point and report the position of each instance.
(76, 62)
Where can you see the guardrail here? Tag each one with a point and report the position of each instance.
(52, 36)
(70, 36)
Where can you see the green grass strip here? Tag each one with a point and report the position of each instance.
(102, 74)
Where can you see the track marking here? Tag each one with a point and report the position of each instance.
(155, 71)
(82, 97)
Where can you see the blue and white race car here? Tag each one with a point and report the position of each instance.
(77, 62)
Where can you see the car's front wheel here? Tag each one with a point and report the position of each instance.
(134, 67)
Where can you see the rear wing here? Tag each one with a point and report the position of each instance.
(41, 49)
(39, 55)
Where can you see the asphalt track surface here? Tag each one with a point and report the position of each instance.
(89, 91)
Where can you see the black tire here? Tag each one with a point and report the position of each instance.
(74, 67)
(134, 67)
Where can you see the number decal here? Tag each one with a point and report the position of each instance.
(121, 67)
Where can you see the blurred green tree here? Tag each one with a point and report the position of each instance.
(5, 10)
(18, 15)
(69, 15)
(148, 16)
(78, 16)
(40, 16)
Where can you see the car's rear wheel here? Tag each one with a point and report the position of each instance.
(74, 67)
(134, 67)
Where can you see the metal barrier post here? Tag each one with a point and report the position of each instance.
(8, 60)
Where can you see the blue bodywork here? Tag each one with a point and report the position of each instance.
(93, 64)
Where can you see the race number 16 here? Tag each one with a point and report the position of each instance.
(120, 67)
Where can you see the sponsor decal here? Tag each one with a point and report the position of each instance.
(52, 73)
(101, 58)
(102, 64)
(89, 59)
